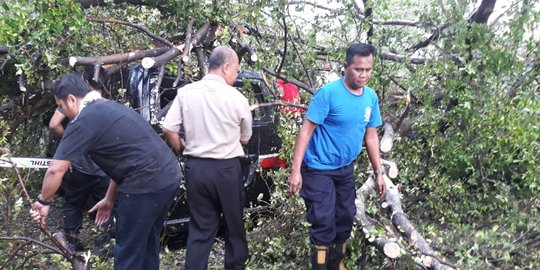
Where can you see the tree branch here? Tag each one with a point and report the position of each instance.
(278, 103)
(402, 58)
(185, 55)
(77, 262)
(293, 3)
(149, 62)
(10, 104)
(116, 58)
(138, 27)
(293, 81)
(284, 46)
(34, 241)
(201, 61)
(481, 15)
(435, 36)
(4, 49)
(42, 103)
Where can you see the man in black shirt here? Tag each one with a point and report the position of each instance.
(84, 184)
(146, 173)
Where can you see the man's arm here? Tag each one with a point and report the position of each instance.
(300, 146)
(56, 123)
(53, 178)
(245, 124)
(51, 183)
(372, 144)
(105, 206)
(173, 139)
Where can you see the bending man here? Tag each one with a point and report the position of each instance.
(146, 173)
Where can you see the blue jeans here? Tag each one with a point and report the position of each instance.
(140, 218)
(329, 197)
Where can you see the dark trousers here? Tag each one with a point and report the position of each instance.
(329, 197)
(81, 192)
(140, 218)
(214, 188)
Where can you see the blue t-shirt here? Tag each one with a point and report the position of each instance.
(342, 118)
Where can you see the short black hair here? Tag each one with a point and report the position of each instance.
(218, 57)
(70, 84)
(88, 76)
(360, 49)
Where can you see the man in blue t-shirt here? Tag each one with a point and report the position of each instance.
(340, 116)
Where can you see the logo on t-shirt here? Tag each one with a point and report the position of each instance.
(367, 114)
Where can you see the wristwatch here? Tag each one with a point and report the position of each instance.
(41, 201)
(380, 170)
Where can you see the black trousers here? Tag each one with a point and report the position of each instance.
(81, 192)
(214, 188)
(329, 197)
(139, 224)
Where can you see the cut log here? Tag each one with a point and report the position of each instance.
(388, 247)
(406, 229)
(392, 168)
(387, 140)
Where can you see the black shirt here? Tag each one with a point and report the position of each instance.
(123, 145)
(85, 165)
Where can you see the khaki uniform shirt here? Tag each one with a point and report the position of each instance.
(215, 116)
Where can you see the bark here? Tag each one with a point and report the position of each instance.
(285, 34)
(185, 55)
(387, 140)
(369, 18)
(115, 58)
(406, 229)
(202, 62)
(388, 247)
(435, 36)
(150, 62)
(392, 169)
(481, 15)
(403, 58)
(4, 49)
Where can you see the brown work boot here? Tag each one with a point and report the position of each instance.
(336, 254)
(319, 257)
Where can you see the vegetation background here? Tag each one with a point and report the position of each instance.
(458, 80)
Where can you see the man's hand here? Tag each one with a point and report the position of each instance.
(381, 187)
(104, 209)
(39, 212)
(295, 183)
